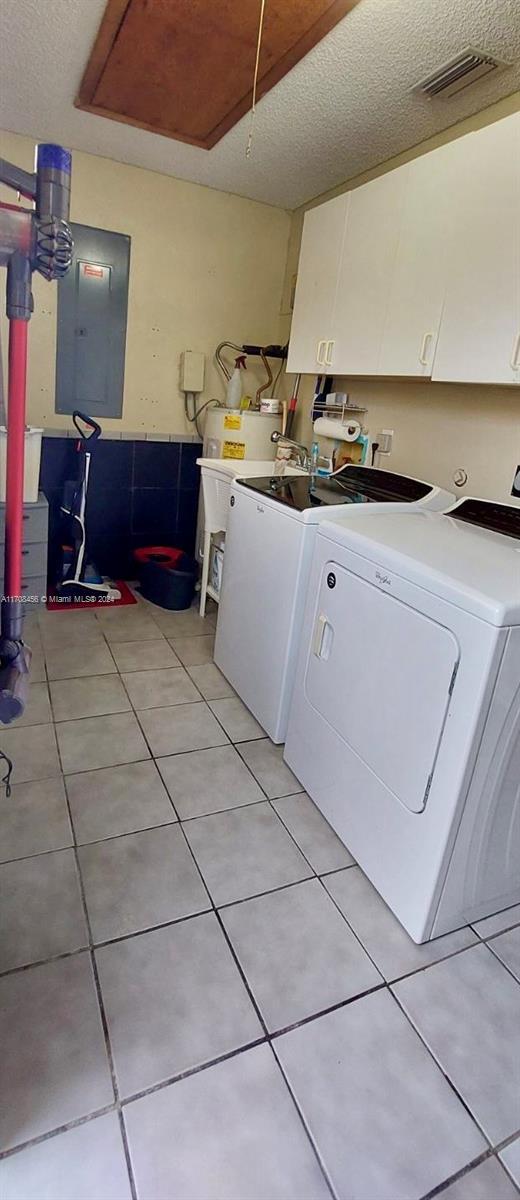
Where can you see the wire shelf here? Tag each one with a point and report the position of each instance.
(345, 410)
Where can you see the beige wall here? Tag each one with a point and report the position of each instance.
(205, 266)
(437, 427)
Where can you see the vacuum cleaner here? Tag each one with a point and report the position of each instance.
(36, 239)
(80, 579)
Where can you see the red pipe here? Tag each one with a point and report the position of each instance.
(15, 457)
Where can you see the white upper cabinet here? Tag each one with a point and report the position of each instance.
(479, 339)
(367, 262)
(415, 296)
(418, 272)
(320, 255)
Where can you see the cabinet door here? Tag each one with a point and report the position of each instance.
(367, 262)
(479, 339)
(320, 254)
(416, 294)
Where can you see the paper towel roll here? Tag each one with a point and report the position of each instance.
(341, 432)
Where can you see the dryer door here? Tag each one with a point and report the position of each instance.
(381, 674)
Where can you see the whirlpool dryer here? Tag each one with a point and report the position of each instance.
(271, 528)
(405, 719)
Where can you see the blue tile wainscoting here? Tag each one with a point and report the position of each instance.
(141, 492)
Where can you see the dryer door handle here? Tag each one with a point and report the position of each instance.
(322, 637)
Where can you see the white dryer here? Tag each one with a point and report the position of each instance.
(405, 718)
(271, 528)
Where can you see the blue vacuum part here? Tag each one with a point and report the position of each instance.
(56, 157)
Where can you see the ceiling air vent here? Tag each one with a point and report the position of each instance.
(458, 73)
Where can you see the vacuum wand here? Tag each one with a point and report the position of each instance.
(15, 657)
(35, 240)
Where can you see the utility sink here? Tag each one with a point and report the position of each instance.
(249, 467)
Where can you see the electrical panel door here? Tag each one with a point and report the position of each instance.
(92, 310)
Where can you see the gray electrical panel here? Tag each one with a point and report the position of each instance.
(92, 309)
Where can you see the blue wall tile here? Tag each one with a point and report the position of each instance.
(156, 464)
(154, 514)
(112, 464)
(190, 472)
(136, 498)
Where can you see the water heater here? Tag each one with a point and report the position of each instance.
(236, 435)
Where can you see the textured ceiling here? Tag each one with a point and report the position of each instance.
(343, 109)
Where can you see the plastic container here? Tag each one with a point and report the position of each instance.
(269, 404)
(33, 453)
(167, 576)
(216, 567)
(234, 387)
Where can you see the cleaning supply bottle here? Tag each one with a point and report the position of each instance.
(234, 387)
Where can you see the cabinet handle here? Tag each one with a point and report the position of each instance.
(422, 355)
(320, 353)
(515, 363)
(328, 354)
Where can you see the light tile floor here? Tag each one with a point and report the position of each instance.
(201, 995)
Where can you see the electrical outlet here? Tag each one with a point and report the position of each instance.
(385, 440)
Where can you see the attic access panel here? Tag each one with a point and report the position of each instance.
(184, 68)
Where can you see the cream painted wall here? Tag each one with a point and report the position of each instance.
(206, 266)
(437, 427)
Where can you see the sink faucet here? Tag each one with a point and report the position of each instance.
(302, 456)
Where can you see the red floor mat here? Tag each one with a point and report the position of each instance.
(127, 597)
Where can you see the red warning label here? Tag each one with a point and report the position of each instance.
(92, 269)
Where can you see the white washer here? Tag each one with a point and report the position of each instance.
(405, 720)
(270, 534)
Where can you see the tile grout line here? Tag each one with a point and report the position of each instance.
(440, 1067)
(268, 798)
(242, 899)
(253, 1001)
(171, 1080)
(464, 1171)
(98, 945)
(299, 1110)
(441, 1187)
(383, 985)
(99, 996)
(415, 970)
(436, 962)
(214, 910)
(197, 1070)
(103, 1018)
(50, 1134)
(147, 741)
(270, 1038)
(501, 961)
(325, 1012)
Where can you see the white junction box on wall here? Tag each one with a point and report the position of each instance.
(191, 377)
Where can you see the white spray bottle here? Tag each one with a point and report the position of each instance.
(234, 387)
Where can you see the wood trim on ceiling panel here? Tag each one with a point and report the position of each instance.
(184, 68)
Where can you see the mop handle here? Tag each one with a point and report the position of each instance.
(15, 457)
